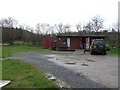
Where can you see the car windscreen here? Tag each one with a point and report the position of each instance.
(99, 42)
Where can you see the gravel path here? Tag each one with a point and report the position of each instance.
(68, 76)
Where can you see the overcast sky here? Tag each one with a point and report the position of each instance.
(59, 11)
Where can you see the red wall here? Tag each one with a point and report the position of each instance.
(46, 42)
(75, 43)
(59, 43)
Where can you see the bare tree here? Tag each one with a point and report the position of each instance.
(116, 26)
(60, 28)
(113, 30)
(44, 28)
(67, 29)
(38, 29)
(88, 27)
(27, 27)
(79, 27)
(52, 30)
(97, 23)
(8, 22)
(21, 26)
(48, 29)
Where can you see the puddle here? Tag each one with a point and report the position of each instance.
(50, 56)
(90, 60)
(52, 59)
(84, 64)
(70, 62)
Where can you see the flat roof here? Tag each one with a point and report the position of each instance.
(103, 36)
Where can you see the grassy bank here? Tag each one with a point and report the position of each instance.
(19, 49)
(24, 75)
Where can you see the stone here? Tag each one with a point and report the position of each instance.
(4, 83)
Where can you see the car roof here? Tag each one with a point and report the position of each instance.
(98, 39)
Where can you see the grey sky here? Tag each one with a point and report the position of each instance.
(59, 11)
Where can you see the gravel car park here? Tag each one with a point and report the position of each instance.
(78, 70)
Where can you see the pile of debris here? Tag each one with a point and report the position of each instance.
(60, 83)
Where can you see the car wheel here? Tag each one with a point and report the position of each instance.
(91, 53)
(104, 53)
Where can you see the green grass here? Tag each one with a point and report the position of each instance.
(115, 51)
(0, 70)
(24, 75)
(0, 63)
(0, 51)
(19, 49)
(21, 74)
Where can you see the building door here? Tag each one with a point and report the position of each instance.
(68, 42)
(87, 42)
(84, 43)
(75, 43)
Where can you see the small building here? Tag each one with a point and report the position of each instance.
(69, 42)
(76, 42)
(47, 41)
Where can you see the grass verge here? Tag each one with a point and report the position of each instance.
(115, 51)
(24, 75)
(0, 70)
(19, 49)
(0, 51)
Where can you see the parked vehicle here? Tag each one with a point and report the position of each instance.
(98, 46)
